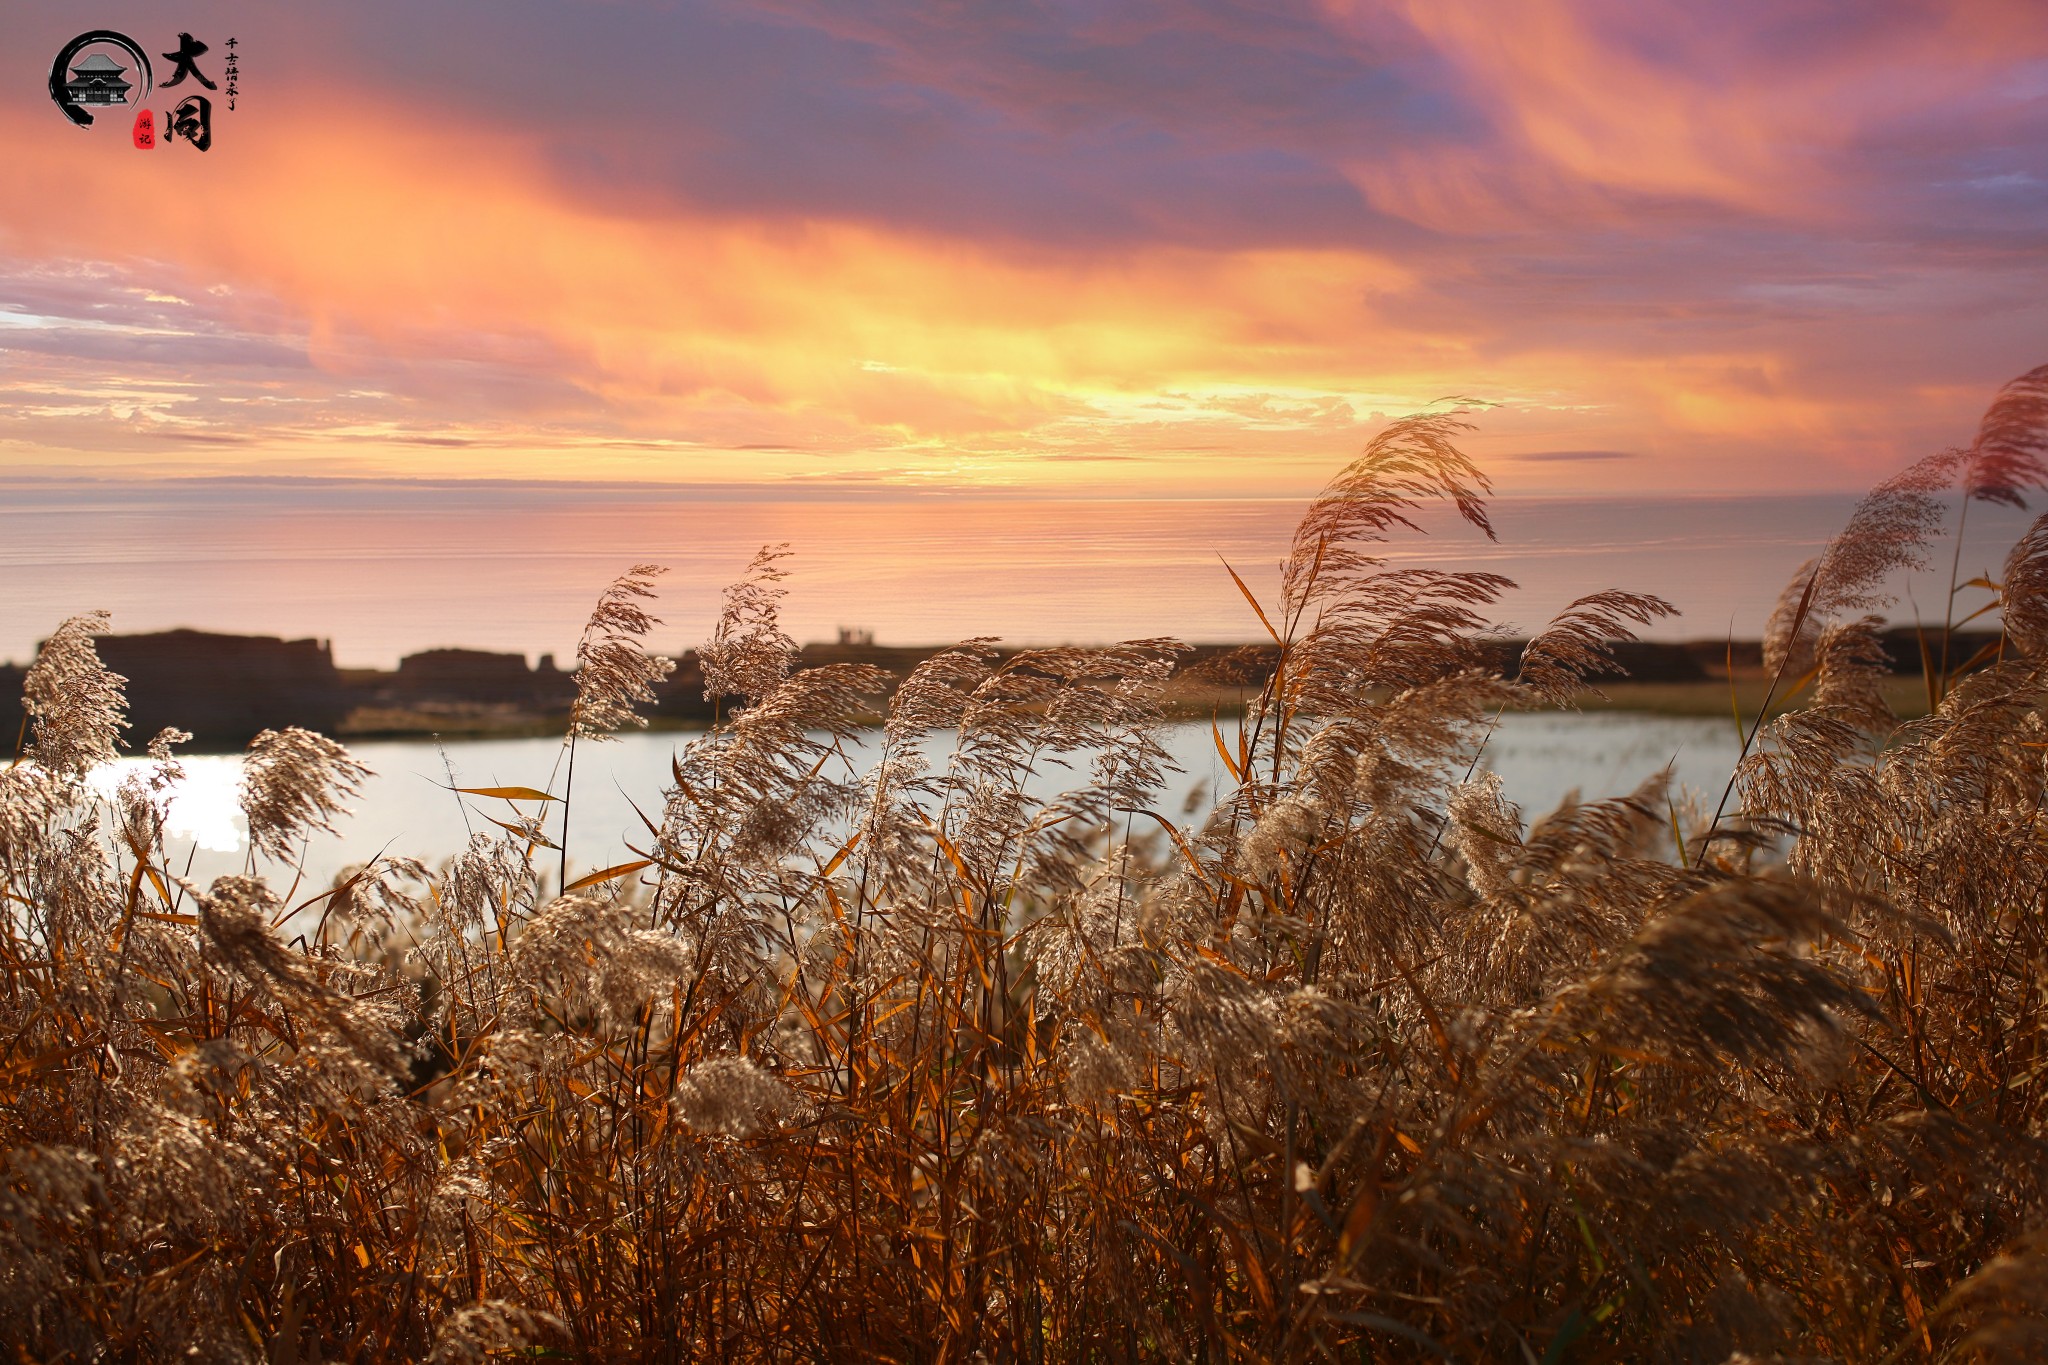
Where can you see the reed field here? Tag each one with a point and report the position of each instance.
(1352, 1060)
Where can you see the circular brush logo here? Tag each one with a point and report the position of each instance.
(89, 74)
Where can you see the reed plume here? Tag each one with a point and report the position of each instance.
(76, 706)
(612, 672)
(293, 782)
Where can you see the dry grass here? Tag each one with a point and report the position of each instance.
(907, 1064)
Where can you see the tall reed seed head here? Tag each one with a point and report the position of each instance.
(293, 782)
(2023, 595)
(749, 655)
(613, 672)
(2010, 455)
(76, 706)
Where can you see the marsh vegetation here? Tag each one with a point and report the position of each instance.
(905, 1060)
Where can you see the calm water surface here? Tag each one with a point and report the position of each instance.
(406, 810)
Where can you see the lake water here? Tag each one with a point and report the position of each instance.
(406, 809)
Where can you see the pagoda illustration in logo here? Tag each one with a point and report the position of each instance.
(98, 80)
(88, 74)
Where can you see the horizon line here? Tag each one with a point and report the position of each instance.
(806, 491)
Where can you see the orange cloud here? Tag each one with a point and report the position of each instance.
(1676, 101)
(396, 243)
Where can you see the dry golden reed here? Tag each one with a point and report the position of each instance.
(909, 1062)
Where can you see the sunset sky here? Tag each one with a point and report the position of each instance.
(1153, 250)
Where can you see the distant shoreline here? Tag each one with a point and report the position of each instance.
(223, 689)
